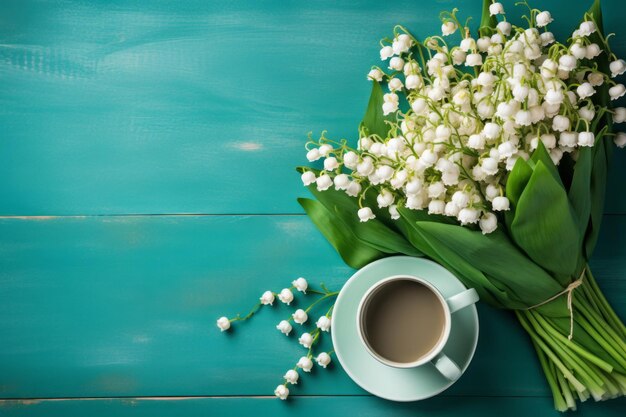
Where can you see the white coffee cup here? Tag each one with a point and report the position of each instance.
(446, 366)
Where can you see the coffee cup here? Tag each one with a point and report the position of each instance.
(405, 322)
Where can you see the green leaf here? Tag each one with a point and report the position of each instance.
(518, 178)
(352, 250)
(487, 22)
(506, 268)
(373, 232)
(541, 154)
(580, 189)
(441, 254)
(544, 225)
(373, 122)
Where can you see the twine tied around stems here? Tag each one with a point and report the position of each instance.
(569, 290)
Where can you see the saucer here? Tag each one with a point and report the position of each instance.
(384, 381)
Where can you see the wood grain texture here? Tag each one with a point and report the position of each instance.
(126, 306)
(304, 406)
(116, 107)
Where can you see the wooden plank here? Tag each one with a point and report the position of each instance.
(304, 406)
(196, 106)
(126, 306)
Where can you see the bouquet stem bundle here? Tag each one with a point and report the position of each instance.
(572, 367)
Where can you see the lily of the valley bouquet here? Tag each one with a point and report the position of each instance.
(488, 153)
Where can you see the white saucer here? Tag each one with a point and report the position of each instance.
(394, 383)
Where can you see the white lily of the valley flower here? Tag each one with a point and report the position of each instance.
(375, 75)
(223, 323)
(488, 223)
(267, 298)
(323, 182)
(496, 8)
(395, 84)
(385, 198)
(620, 139)
(585, 90)
(560, 123)
(308, 177)
(448, 28)
(396, 63)
(306, 340)
(617, 91)
(586, 139)
(284, 327)
(393, 212)
(402, 44)
(595, 78)
(300, 284)
(586, 28)
(281, 392)
(619, 115)
(500, 203)
(468, 215)
(593, 50)
(331, 163)
(342, 181)
(617, 67)
(390, 103)
(353, 189)
(325, 149)
(305, 364)
(413, 81)
(386, 52)
(313, 155)
(286, 296)
(366, 214)
(473, 60)
(323, 359)
(292, 376)
(543, 19)
(323, 323)
(300, 316)
(504, 27)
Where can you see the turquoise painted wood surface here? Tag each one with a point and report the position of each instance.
(305, 406)
(114, 113)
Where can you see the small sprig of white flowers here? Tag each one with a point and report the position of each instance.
(300, 316)
(474, 109)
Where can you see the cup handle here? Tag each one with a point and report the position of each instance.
(447, 367)
(462, 300)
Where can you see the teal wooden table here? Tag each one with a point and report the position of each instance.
(147, 186)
